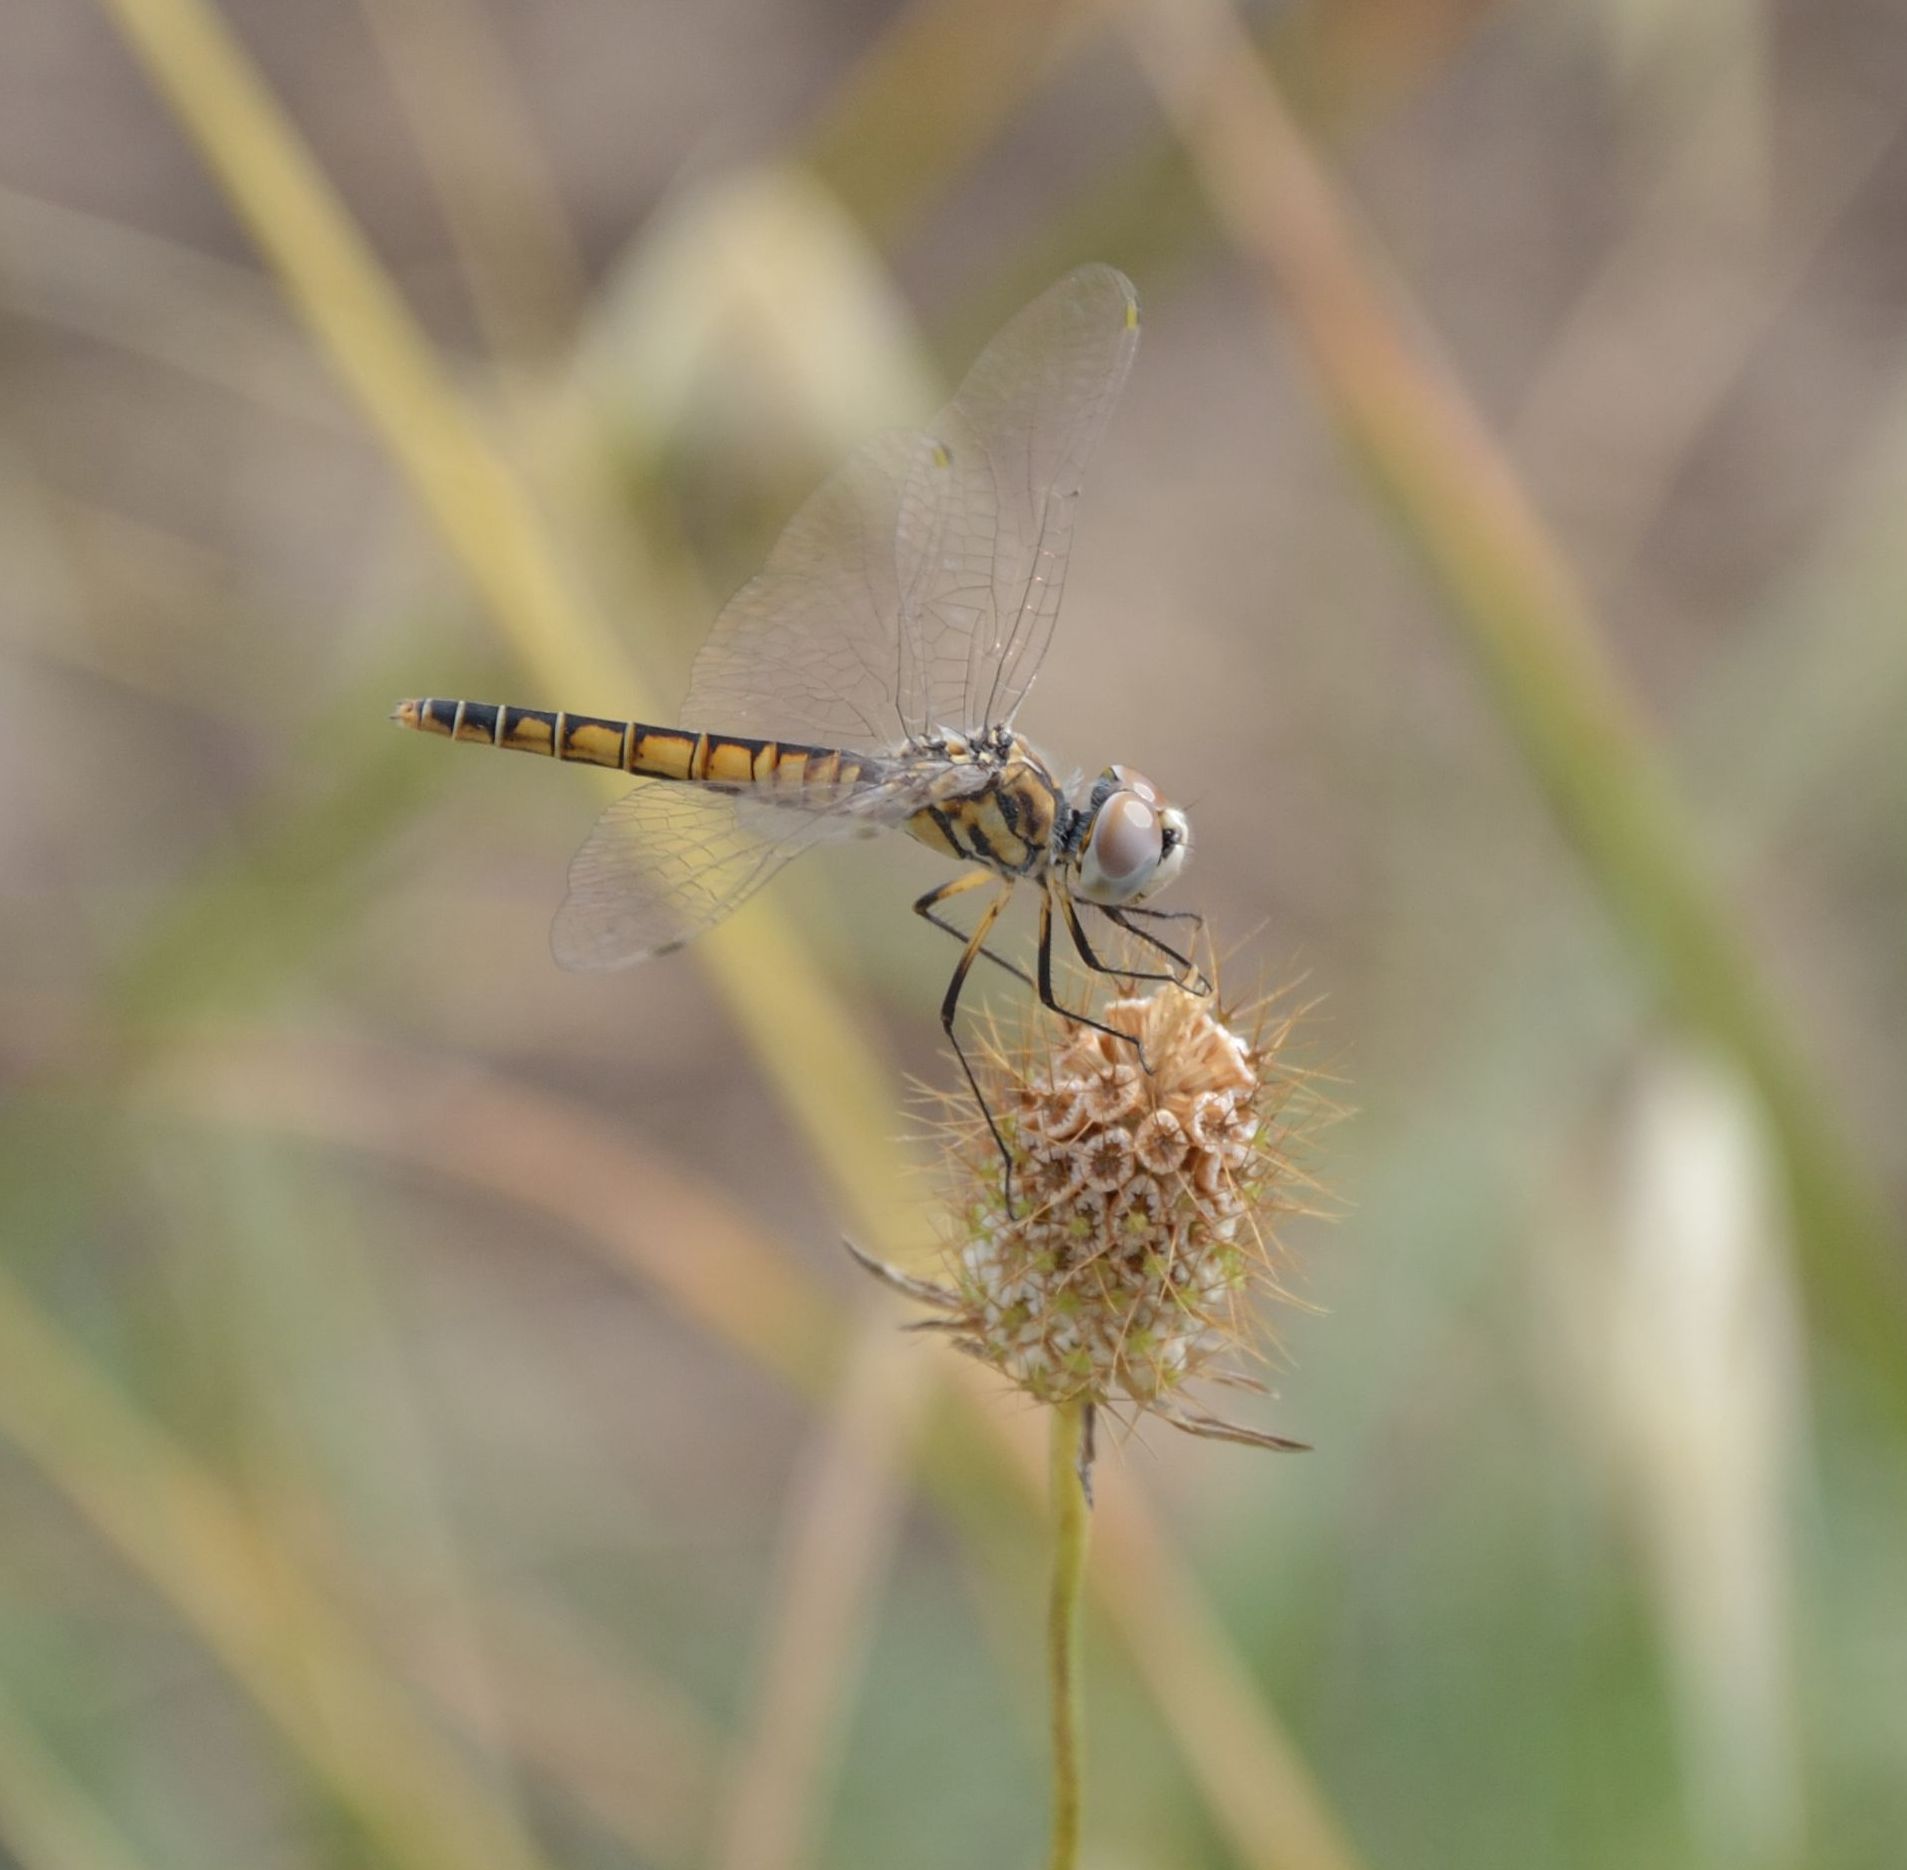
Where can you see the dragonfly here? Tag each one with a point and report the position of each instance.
(869, 677)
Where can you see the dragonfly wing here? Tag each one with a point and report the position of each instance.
(917, 588)
(998, 498)
(667, 861)
(818, 647)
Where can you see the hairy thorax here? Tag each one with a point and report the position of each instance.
(1006, 823)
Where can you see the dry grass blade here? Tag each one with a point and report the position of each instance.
(298, 1296)
(620, 1741)
(212, 320)
(548, 1154)
(1353, 64)
(803, 1033)
(1696, 285)
(303, 1664)
(625, 1745)
(487, 167)
(46, 1821)
(1521, 614)
(1276, 1814)
(358, 317)
(930, 94)
(843, 1524)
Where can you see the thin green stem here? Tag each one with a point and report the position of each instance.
(1071, 1520)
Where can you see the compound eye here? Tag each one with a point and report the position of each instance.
(1130, 779)
(1127, 841)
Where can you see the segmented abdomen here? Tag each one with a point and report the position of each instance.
(634, 747)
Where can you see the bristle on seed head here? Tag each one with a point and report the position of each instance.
(1142, 1202)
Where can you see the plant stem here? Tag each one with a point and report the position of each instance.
(1071, 1519)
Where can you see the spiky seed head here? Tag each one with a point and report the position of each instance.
(1146, 1184)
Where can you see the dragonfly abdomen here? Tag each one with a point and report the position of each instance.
(634, 746)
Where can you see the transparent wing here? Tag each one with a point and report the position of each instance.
(1016, 439)
(918, 586)
(667, 860)
(819, 645)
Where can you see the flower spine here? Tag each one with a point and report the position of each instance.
(1146, 1182)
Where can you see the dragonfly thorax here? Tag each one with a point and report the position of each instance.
(999, 806)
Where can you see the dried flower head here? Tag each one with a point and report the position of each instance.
(1144, 1190)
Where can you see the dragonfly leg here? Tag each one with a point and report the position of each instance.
(1077, 929)
(1169, 915)
(1164, 915)
(1197, 983)
(1050, 1000)
(976, 946)
(967, 880)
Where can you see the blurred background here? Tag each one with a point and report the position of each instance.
(437, 1422)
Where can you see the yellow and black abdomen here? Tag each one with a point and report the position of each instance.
(723, 760)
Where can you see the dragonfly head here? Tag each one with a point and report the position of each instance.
(1133, 844)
